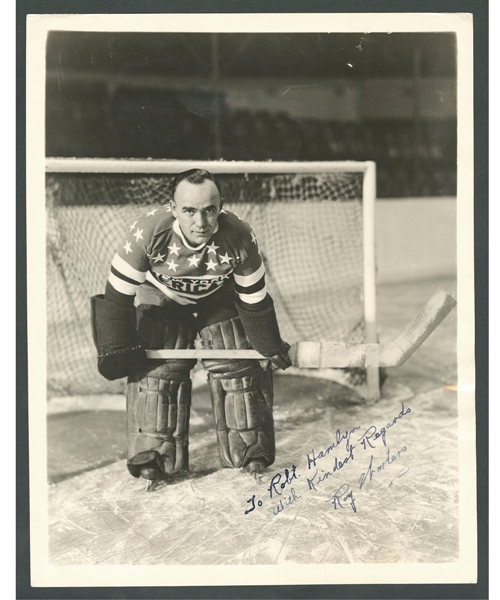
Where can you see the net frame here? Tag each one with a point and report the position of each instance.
(367, 168)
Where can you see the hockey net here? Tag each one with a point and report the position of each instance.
(310, 231)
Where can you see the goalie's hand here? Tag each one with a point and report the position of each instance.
(115, 364)
(281, 360)
(115, 338)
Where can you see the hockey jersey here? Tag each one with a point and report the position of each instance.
(155, 250)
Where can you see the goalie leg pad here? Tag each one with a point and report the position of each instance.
(158, 418)
(242, 400)
(243, 416)
(159, 401)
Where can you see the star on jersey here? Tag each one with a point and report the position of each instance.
(138, 234)
(172, 265)
(159, 257)
(133, 225)
(193, 261)
(211, 265)
(212, 248)
(224, 259)
(151, 213)
(127, 247)
(174, 249)
(254, 237)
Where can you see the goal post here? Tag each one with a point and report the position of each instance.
(314, 221)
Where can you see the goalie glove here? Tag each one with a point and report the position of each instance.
(261, 328)
(115, 338)
(281, 360)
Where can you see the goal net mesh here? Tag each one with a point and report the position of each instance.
(309, 228)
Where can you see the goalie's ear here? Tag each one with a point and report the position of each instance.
(173, 207)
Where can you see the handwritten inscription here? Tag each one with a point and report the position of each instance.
(328, 470)
(372, 434)
(343, 498)
(317, 478)
(285, 502)
(403, 471)
(280, 481)
(277, 485)
(370, 472)
(251, 501)
(339, 437)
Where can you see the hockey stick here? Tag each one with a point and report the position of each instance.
(327, 355)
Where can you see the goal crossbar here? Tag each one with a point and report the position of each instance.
(112, 165)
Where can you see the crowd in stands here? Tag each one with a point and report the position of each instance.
(413, 159)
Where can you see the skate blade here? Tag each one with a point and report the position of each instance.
(152, 485)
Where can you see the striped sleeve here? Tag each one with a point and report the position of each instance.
(251, 288)
(124, 277)
(250, 275)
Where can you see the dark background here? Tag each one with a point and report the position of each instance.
(389, 97)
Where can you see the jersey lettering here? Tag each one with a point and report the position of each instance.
(155, 246)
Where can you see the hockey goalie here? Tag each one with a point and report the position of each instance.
(185, 269)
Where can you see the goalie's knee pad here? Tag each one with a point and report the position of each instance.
(159, 401)
(242, 399)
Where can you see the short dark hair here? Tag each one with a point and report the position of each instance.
(195, 176)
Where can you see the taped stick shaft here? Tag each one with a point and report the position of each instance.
(331, 355)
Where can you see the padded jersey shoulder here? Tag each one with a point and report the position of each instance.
(233, 225)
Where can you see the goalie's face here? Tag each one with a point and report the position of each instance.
(197, 206)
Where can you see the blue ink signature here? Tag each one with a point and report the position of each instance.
(342, 497)
(403, 471)
(280, 507)
(288, 476)
(276, 486)
(316, 479)
(251, 501)
(370, 472)
(339, 437)
(280, 488)
(373, 434)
